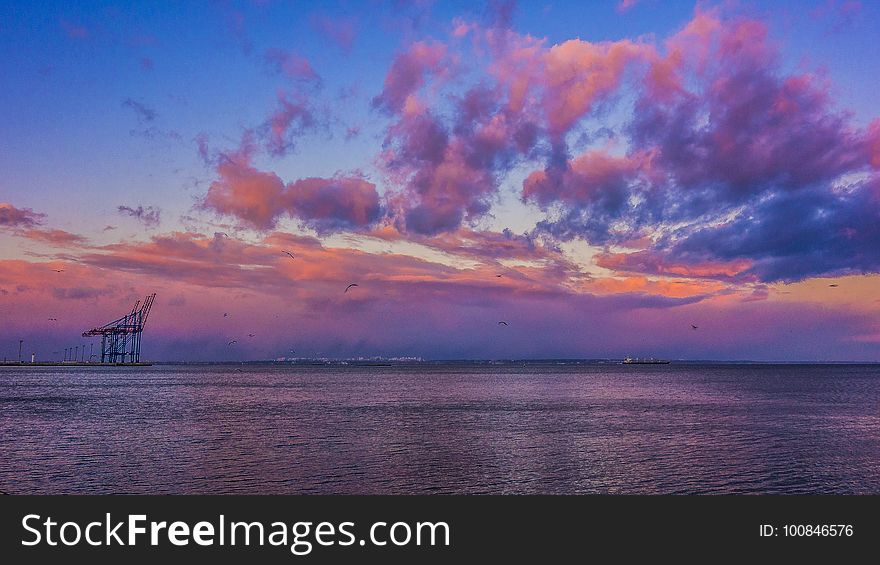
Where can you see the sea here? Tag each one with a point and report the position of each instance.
(441, 428)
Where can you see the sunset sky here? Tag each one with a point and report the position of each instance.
(630, 168)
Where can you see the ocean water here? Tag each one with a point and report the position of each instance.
(456, 428)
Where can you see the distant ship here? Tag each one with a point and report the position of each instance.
(644, 361)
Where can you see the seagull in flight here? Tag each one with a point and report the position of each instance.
(225, 314)
(251, 335)
(503, 323)
(499, 276)
(348, 287)
(58, 270)
(693, 327)
(289, 254)
(53, 319)
(834, 285)
(232, 342)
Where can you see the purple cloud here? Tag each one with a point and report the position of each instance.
(292, 66)
(293, 118)
(341, 31)
(728, 159)
(150, 216)
(17, 218)
(143, 112)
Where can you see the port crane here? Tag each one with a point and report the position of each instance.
(121, 339)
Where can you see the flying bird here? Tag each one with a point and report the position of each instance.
(231, 342)
(251, 335)
(348, 287)
(693, 327)
(289, 254)
(225, 314)
(53, 319)
(58, 270)
(499, 276)
(503, 323)
(833, 285)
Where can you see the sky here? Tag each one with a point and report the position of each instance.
(623, 178)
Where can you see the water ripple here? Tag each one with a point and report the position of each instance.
(680, 429)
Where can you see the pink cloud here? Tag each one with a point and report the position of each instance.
(594, 175)
(446, 169)
(198, 280)
(340, 30)
(293, 118)
(408, 73)
(650, 262)
(254, 197)
(13, 218)
(55, 237)
(720, 138)
(625, 5)
(578, 74)
(292, 66)
(24, 222)
(259, 199)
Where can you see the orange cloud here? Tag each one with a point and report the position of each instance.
(650, 262)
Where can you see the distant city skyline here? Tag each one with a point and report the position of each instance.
(444, 180)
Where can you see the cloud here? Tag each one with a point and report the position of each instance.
(150, 216)
(55, 237)
(445, 169)
(577, 75)
(594, 191)
(261, 287)
(656, 263)
(143, 112)
(340, 30)
(839, 15)
(254, 197)
(292, 66)
(791, 236)
(491, 245)
(80, 293)
(408, 73)
(447, 165)
(334, 204)
(293, 118)
(224, 262)
(26, 223)
(674, 144)
(352, 132)
(74, 31)
(625, 5)
(727, 159)
(203, 149)
(500, 13)
(236, 26)
(15, 218)
(259, 199)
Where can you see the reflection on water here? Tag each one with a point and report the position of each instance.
(441, 429)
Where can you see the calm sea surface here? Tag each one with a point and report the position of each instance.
(441, 429)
